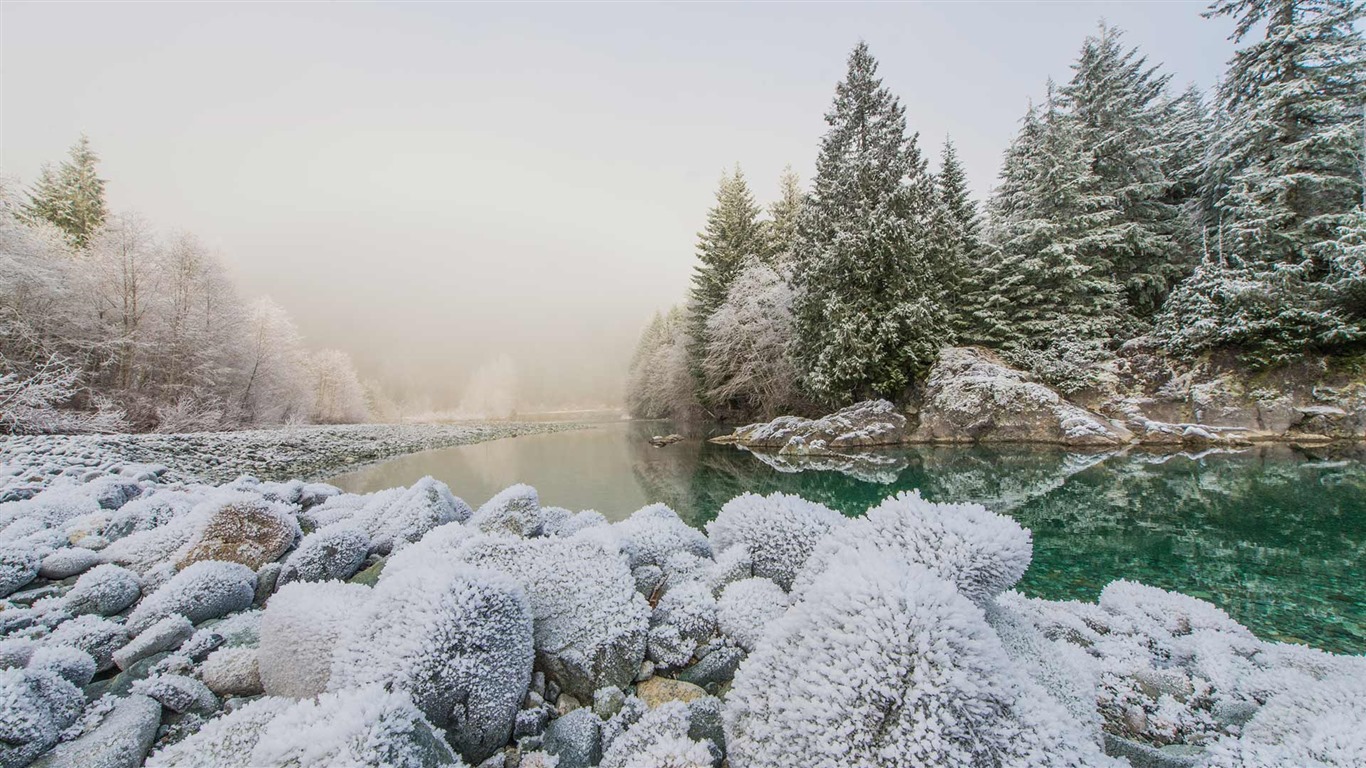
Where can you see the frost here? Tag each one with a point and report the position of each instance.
(148, 512)
(68, 562)
(240, 528)
(1319, 724)
(18, 566)
(457, 638)
(104, 590)
(97, 637)
(166, 635)
(203, 591)
(684, 619)
(334, 552)
(144, 550)
(73, 664)
(658, 739)
(396, 517)
(779, 531)
(981, 552)
(36, 705)
(747, 607)
(514, 510)
(884, 664)
(299, 631)
(651, 534)
(178, 693)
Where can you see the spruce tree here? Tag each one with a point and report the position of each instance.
(866, 321)
(962, 235)
(72, 198)
(784, 212)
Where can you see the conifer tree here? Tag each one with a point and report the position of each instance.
(963, 252)
(866, 320)
(784, 212)
(72, 197)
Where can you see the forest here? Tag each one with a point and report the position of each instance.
(107, 325)
(1128, 215)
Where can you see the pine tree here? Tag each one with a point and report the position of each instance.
(866, 322)
(72, 198)
(784, 212)
(1123, 117)
(962, 235)
(735, 238)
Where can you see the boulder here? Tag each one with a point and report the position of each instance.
(242, 529)
(104, 590)
(575, 738)
(121, 740)
(299, 631)
(865, 424)
(330, 553)
(972, 396)
(778, 531)
(658, 691)
(98, 637)
(205, 590)
(232, 672)
(18, 566)
(68, 562)
(165, 635)
(36, 705)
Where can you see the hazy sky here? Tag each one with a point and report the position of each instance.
(428, 184)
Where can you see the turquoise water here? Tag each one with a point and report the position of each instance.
(1274, 535)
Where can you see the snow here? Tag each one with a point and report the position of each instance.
(205, 590)
(36, 705)
(778, 531)
(658, 739)
(300, 627)
(72, 664)
(332, 552)
(92, 634)
(653, 533)
(684, 619)
(18, 566)
(746, 608)
(515, 510)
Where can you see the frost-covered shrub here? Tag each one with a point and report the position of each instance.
(779, 531)
(36, 705)
(659, 739)
(96, 636)
(1318, 724)
(590, 623)
(980, 552)
(747, 607)
(514, 510)
(240, 528)
(684, 619)
(334, 552)
(299, 630)
(72, 664)
(882, 663)
(18, 566)
(347, 728)
(457, 638)
(651, 534)
(203, 591)
(104, 590)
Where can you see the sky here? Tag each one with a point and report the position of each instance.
(430, 186)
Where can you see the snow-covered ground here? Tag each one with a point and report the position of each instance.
(145, 620)
(305, 452)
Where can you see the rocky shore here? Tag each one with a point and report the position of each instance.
(972, 396)
(151, 621)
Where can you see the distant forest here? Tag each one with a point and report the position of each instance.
(1128, 215)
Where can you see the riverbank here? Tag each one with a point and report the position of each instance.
(304, 452)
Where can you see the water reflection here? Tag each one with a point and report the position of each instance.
(1274, 535)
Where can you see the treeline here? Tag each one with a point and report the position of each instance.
(1127, 212)
(106, 326)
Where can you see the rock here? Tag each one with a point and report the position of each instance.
(531, 722)
(427, 504)
(716, 668)
(178, 693)
(647, 671)
(515, 510)
(165, 635)
(652, 534)
(121, 740)
(1159, 682)
(369, 577)
(566, 704)
(661, 690)
(205, 590)
(1143, 756)
(660, 441)
(104, 590)
(575, 738)
(334, 552)
(972, 396)
(746, 608)
(18, 566)
(1135, 719)
(244, 530)
(870, 423)
(299, 631)
(232, 672)
(97, 637)
(68, 562)
(267, 579)
(123, 683)
(16, 652)
(648, 578)
(778, 531)
(38, 705)
(684, 619)
(1234, 712)
(607, 701)
(73, 664)
(659, 738)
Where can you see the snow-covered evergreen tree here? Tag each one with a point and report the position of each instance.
(867, 319)
(963, 254)
(783, 213)
(72, 197)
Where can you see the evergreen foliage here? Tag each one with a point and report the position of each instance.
(72, 197)
(784, 212)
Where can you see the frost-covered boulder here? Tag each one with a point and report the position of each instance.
(67, 562)
(972, 396)
(882, 663)
(455, 637)
(416, 510)
(659, 739)
(651, 534)
(73, 664)
(144, 550)
(779, 532)
(330, 553)
(205, 590)
(103, 590)
(1065, 671)
(352, 728)
(865, 424)
(36, 705)
(18, 566)
(980, 552)
(684, 619)
(120, 740)
(299, 630)
(1318, 725)
(747, 607)
(178, 693)
(166, 635)
(232, 672)
(514, 510)
(148, 512)
(241, 528)
(96, 636)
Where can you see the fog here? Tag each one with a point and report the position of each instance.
(440, 188)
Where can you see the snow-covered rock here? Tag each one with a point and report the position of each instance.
(659, 739)
(299, 630)
(205, 590)
(514, 510)
(232, 672)
(73, 664)
(865, 424)
(330, 553)
(103, 590)
(652, 534)
(18, 566)
(241, 528)
(36, 705)
(1316, 725)
(779, 532)
(121, 739)
(747, 607)
(92, 634)
(166, 635)
(684, 619)
(972, 396)
(178, 693)
(67, 562)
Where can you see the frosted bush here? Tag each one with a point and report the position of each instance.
(651, 534)
(1319, 725)
(980, 552)
(334, 552)
(36, 705)
(104, 590)
(884, 664)
(514, 510)
(684, 619)
(457, 638)
(96, 636)
(73, 664)
(299, 630)
(18, 566)
(747, 607)
(779, 531)
(203, 591)
(658, 739)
